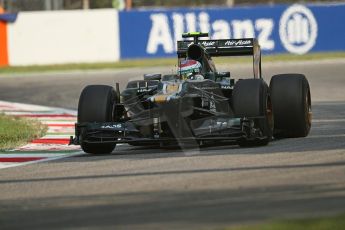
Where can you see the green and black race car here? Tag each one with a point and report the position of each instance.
(196, 106)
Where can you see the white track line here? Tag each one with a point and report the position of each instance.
(10, 165)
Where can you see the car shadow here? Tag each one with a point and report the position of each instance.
(327, 133)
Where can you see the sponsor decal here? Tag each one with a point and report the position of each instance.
(298, 29)
(206, 44)
(112, 126)
(163, 36)
(238, 43)
(142, 90)
(222, 123)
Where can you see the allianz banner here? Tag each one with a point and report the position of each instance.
(297, 29)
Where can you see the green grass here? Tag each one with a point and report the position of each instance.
(16, 131)
(162, 62)
(324, 223)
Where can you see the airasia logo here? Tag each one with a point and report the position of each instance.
(298, 29)
(238, 43)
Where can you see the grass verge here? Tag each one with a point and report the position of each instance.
(162, 62)
(16, 131)
(324, 223)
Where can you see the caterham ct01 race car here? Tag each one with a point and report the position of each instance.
(196, 106)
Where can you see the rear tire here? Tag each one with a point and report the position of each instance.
(291, 105)
(251, 99)
(96, 104)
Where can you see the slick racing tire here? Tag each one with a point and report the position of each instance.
(251, 99)
(291, 105)
(96, 104)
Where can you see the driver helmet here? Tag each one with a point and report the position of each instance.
(188, 68)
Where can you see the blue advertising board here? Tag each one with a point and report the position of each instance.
(8, 17)
(297, 29)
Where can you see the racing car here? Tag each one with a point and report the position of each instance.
(196, 106)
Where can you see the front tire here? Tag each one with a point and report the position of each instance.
(96, 104)
(291, 105)
(251, 99)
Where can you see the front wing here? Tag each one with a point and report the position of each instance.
(211, 129)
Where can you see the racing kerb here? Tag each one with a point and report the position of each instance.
(52, 146)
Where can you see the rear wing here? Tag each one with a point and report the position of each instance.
(222, 47)
(227, 47)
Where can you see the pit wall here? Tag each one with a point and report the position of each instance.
(56, 37)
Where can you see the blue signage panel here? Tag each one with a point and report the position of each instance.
(8, 17)
(297, 29)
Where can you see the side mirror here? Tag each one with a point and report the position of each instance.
(153, 77)
(170, 77)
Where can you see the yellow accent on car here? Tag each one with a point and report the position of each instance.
(160, 98)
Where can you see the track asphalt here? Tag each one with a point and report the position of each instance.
(207, 188)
